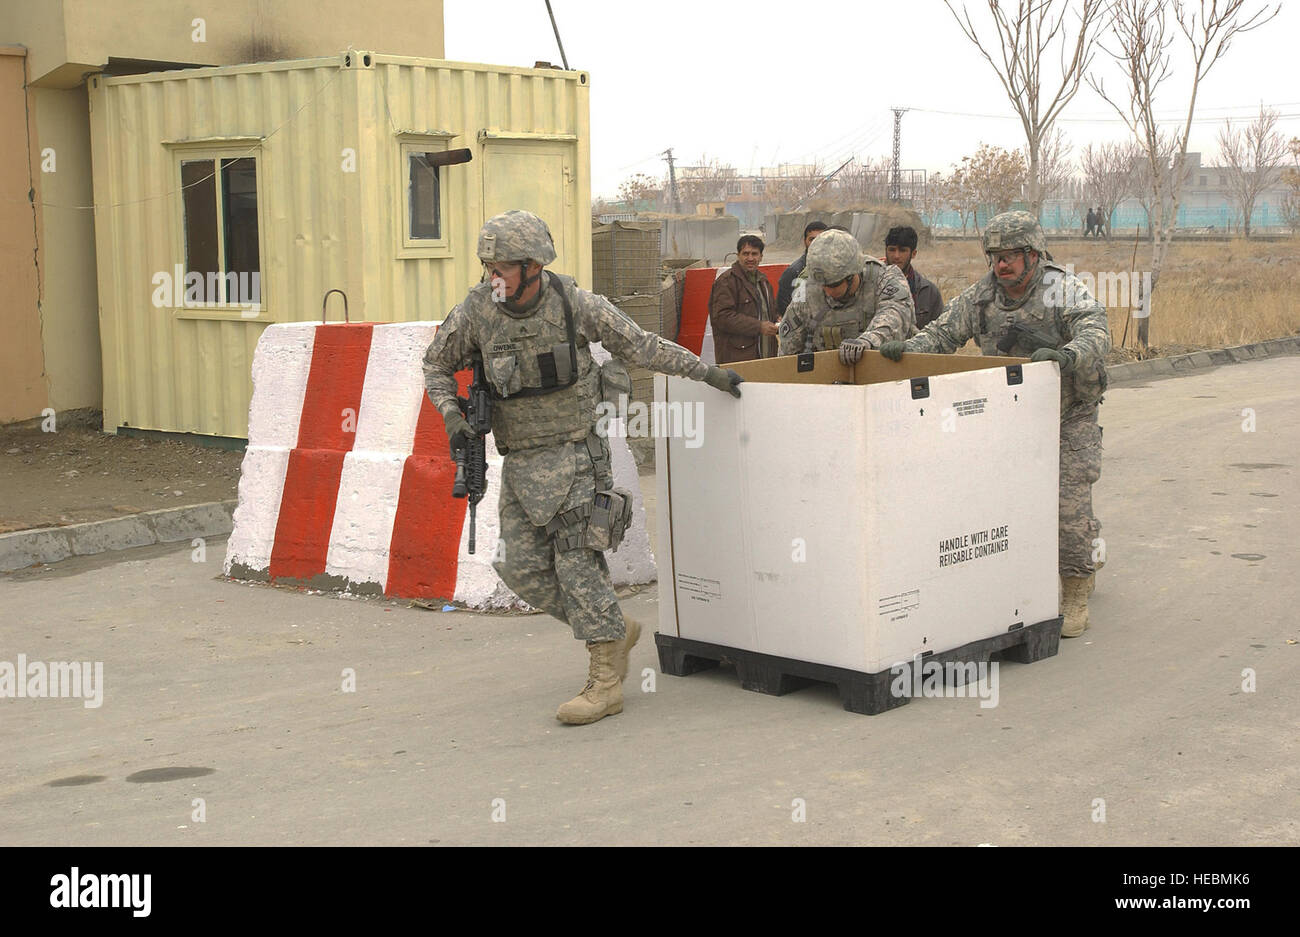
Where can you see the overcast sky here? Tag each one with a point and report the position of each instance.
(760, 83)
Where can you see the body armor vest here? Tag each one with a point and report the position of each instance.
(828, 325)
(1033, 325)
(545, 384)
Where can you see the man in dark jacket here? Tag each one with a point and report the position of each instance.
(741, 309)
(900, 248)
(785, 285)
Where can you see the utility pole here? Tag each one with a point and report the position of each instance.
(672, 180)
(895, 193)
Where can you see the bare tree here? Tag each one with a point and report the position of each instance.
(640, 188)
(864, 182)
(784, 191)
(1108, 177)
(931, 200)
(1055, 168)
(995, 178)
(1144, 37)
(707, 181)
(1158, 178)
(1291, 177)
(1253, 156)
(957, 194)
(1022, 38)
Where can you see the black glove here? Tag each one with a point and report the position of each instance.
(724, 379)
(893, 350)
(1064, 357)
(458, 432)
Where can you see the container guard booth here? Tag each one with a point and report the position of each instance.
(234, 197)
(840, 524)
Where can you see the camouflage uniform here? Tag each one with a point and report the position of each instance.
(554, 460)
(1056, 312)
(881, 310)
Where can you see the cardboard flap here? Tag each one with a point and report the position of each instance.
(873, 368)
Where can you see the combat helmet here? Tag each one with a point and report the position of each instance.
(1013, 229)
(834, 256)
(516, 237)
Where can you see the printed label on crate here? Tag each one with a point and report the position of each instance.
(969, 407)
(698, 588)
(973, 546)
(898, 607)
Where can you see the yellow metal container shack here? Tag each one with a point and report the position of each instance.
(230, 198)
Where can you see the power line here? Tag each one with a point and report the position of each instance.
(1088, 120)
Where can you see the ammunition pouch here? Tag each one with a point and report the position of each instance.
(599, 526)
(614, 382)
(602, 463)
(611, 516)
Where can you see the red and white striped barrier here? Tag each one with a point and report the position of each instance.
(346, 482)
(695, 331)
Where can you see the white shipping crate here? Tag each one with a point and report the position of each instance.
(909, 509)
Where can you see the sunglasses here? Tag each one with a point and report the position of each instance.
(493, 271)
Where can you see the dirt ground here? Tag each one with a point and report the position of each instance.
(79, 473)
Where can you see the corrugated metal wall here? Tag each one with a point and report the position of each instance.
(325, 220)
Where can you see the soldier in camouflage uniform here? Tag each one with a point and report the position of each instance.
(852, 302)
(1028, 306)
(532, 330)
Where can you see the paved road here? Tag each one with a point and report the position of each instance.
(454, 710)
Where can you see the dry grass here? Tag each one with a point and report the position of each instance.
(1211, 295)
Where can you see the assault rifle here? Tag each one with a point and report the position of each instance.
(471, 457)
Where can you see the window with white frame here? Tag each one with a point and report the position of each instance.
(423, 194)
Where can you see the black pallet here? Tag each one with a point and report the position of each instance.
(866, 693)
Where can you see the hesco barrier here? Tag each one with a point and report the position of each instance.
(346, 482)
(625, 258)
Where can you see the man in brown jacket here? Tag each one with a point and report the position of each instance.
(741, 309)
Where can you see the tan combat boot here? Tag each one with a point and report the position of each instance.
(603, 694)
(625, 646)
(1074, 605)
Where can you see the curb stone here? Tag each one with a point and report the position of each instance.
(23, 548)
(1181, 364)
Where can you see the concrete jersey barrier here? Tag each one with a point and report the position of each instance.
(346, 482)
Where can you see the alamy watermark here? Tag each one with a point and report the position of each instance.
(1123, 289)
(66, 679)
(635, 419)
(87, 890)
(946, 679)
(181, 288)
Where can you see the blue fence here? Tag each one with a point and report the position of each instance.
(1129, 217)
